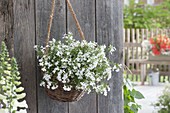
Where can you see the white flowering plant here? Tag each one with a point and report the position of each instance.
(11, 93)
(76, 64)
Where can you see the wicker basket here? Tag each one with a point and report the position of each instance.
(65, 96)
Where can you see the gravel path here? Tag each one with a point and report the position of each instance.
(151, 94)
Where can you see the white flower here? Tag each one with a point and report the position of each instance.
(55, 69)
(59, 78)
(105, 93)
(92, 78)
(48, 86)
(21, 104)
(80, 77)
(43, 69)
(98, 79)
(54, 87)
(47, 77)
(67, 88)
(92, 83)
(117, 70)
(120, 65)
(65, 76)
(83, 84)
(114, 67)
(42, 84)
(112, 49)
(109, 75)
(56, 63)
(53, 40)
(146, 45)
(35, 47)
(108, 88)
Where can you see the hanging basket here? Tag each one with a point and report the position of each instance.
(65, 96)
(60, 94)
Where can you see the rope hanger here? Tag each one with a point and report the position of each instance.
(74, 17)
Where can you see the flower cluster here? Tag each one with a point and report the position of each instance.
(157, 45)
(11, 92)
(76, 64)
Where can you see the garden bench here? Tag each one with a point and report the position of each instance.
(143, 68)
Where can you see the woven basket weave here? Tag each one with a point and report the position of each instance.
(65, 96)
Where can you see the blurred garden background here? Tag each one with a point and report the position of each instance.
(147, 65)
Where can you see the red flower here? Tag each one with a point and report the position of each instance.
(156, 51)
(160, 43)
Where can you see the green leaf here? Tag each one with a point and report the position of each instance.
(137, 94)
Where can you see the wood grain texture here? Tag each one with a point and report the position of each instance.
(24, 22)
(6, 21)
(2, 24)
(85, 11)
(24, 41)
(43, 9)
(109, 31)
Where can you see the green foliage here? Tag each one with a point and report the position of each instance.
(164, 101)
(11, 92)
(130, 94)
(162, 14)
(140, 15)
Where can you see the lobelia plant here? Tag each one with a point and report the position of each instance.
(80, 65)
(11, 93)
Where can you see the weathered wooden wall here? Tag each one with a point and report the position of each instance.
(26, 21)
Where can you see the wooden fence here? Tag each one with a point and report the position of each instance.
(24, 24)
(133, 50)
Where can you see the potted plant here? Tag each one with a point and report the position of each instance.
(11, 92)
(70, 66)
(158, 46)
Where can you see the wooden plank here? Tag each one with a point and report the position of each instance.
(128, 49)
(133, 51)
(43, 9)
(137, 41)
(6, 21)
(109, 31)
(137, 50)
(2, 24)
(142, 39)
(85, 11)
(145, 61)
(133, 41)
(124, 50)
(130, 44)
(143, 73)
(24, 40)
